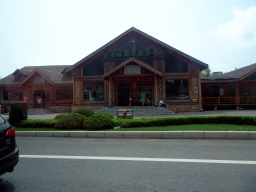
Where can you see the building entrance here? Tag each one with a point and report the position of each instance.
(123, 92)
(39, 94)
(146, 89)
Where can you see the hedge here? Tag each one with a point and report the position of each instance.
(239, 120)
(84, 111)
(29, 123)
(71, 121)
(99, 121)
(18, 112)
(131, 123)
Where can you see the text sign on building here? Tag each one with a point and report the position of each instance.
(132, 69)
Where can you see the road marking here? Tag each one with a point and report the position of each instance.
(140, 159)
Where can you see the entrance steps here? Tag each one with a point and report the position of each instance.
(150, 111)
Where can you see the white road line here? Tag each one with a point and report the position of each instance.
(140, 159)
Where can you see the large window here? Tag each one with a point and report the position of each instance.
(94, 68)
(15, 95)
(93, 91)
(214, 91)
(232, 91)
(64, 94)
(177, 89)
(245, 90)
(174, 65)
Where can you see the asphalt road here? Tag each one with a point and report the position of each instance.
(74, 164)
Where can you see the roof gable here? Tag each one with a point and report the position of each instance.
(141, 63)
(133, 32)
(33, 73)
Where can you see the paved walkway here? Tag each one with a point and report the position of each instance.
(242, 112)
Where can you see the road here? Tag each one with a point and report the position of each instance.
(109, 165)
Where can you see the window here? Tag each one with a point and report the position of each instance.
(232, 91)
(174, 65)
(15, 95)
(177, 89)
(93, 91)
(214, 91)
(64, 94)
(94, 68)
(245, 90)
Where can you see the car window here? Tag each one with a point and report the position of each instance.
(2, 121)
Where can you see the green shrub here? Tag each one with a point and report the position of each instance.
(106, 114)
(239, 120)
(31, 123)
(84, 111)
(18, 112)
(71, 121)
(99, 121)
(61, 116)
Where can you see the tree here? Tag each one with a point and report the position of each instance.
(206, 72)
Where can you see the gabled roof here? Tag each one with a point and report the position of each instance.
(237, 74)
(132, 59)
(50, 73)
(133, 29)
(36, 70)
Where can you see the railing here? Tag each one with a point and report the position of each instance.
(219, 100)
(229, 100)
(248, 100)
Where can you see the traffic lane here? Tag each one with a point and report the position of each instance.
(102, 175)
(152, 148)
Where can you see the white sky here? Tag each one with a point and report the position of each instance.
(221, 33)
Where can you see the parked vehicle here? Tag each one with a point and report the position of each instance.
(182, 97)
(9, 151)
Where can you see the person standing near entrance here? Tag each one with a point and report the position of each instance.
(39, 102)
(142, 98)
(130, 101)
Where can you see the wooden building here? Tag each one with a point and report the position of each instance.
(233, 89)
(135, 62)
(132, 63)
(50, 83)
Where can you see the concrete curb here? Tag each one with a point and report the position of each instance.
(236, 135)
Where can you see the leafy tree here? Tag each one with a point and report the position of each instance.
(206, 72)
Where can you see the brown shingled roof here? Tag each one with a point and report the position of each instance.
(53, 74)
(237, 74)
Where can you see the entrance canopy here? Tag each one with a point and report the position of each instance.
(132, 59)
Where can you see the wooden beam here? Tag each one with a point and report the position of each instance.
(74, 90)
(164, 88)
(109, 92)
(155, 87)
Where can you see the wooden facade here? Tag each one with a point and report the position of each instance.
(133, 63)
(130, 64)
(234, 89)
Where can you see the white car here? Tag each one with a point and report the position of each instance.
(182, 97)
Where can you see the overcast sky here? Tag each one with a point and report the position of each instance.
(221, 33)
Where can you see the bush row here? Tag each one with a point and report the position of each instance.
(239, 120)
(104, 121)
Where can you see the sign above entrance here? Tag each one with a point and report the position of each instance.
(132, 69)
(139, 53)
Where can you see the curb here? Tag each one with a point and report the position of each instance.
(235, 135)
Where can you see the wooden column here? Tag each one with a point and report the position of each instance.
(164, 88)
(74, 90)
(110, 92)
(199, 89)
(155, 87)
(105, 90)
(237, 93)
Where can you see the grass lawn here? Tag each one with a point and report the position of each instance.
(192, 127)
